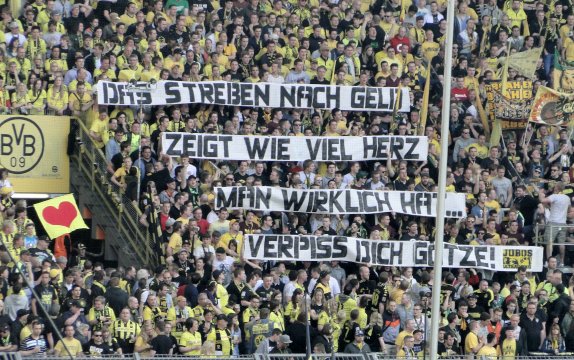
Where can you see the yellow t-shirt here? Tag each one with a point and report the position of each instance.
(470, 342)
(57, 100)
(488, 353)
(175, 242)
(72, 347)
(188, 340)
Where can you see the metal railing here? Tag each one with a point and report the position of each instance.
(340, 356)
(93, 164)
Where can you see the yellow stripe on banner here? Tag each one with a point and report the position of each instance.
(426, 95)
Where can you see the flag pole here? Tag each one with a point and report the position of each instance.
(436, 317)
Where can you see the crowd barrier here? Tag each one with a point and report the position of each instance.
(338, 356)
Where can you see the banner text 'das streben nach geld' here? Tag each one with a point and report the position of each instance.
(340, 201)
(258, 95)
(389, 253)
(295, 148)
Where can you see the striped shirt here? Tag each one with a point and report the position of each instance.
(30, 343)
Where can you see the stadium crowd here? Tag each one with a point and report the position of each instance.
(206, 298)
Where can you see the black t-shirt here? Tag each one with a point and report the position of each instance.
(161, 344)
(97, 349)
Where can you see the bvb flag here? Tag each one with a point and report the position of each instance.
(60, 215)
(525, 62)
(496, 133)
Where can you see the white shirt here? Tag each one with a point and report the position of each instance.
(558, 208)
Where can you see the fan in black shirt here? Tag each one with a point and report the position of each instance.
(161, 344)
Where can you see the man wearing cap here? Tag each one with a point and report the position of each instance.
(41, 251)
(425, 185)
(75, 315)
(177, 316)
(358, 346)
(221, 336)
(282, 345)
(7, 339)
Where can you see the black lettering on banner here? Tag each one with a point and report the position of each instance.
(367, 257)
(357, 98)
(408, 203)
(383, 202)
(480, 253)
(262, 95)
(263, 197)
(172, 141)
(349, 203)
(323, 245)
(397, 144)
(366, 196)
(171, 89)
(339, 247)
(286, 246)
(333, 96)
(321, 199)
(256, 147)
(421, 254)
(247, 95)
(206, 90)
(254, 246)
(219, 93)
(410, 155)
(424, 199)
(450, 249)
(334, 202)
(222, 201)
(396, 253)
(287, 96)
(225, 140)
(344, 155)
(293, 202)
(313, 148)
(272, 247)
(466, 259)
(107, 87)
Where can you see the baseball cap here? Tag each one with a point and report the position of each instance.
(359, 332)
(54, 273)
(22, 312)
(285, 339)
(170, 222)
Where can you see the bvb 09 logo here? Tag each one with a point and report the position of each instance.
(21, 144)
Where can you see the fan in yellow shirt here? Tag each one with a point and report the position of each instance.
(488, 351)
(68, 346)
(190, 341)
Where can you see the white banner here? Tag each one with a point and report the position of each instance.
(347, 201)
(295, 148)
(390, 253)
(257, 95)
